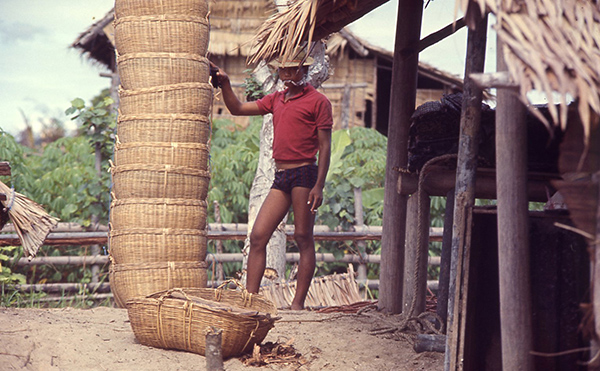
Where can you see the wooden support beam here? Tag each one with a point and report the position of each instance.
(5, 168)
(402, 106)
(466, 169)
(513, 229)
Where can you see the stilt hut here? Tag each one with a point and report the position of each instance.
(555, 53)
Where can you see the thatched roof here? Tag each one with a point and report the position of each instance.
(552, 46)
(96, 44)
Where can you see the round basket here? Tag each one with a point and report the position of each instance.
(179, 319)
(167, 33)
(187, 97)
(158, 213)
(178, 128)
(153, 245)
(145, 70)
(128, 281)
(125, 8)
(162, 181)
(194, 155)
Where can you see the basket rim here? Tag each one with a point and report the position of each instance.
(173, 145)
(161, 18)
(116, 267)
(159, 231)
(162, 88)
(163, 116)
(159, 201)
(150, 55)
(176, 169)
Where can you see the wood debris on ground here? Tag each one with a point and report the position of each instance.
(274, 353)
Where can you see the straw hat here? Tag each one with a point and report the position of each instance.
(300, 59)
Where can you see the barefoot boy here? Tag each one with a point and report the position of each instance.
(302, 121)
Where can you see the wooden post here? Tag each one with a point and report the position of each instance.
(213, 353)
(402, 106)
(359, 224)
(513, 228)
(595, 270)
(466, 168)
(218, 243)
(416, 252)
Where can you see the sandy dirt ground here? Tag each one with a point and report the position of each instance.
(102, 339)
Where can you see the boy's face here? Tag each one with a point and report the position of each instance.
(289, 75)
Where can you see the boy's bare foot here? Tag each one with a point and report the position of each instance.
(296, 307)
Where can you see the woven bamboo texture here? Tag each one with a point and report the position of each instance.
(154, 245)
(188, 97)
(170, 128)
(145, 70)
(125, 8)
(326, 291)
(165, 33)
(158, 213)
(162, 181)
(179, 318)
(193, 155)
(128, 281)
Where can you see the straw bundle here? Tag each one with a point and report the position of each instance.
(171, 128)
(179, 318)
(31, 222)
(188, 97)
(145, 70)
(125, 8)
(161, 181)
(553, 53)
(194, 155)
(333, 290)
(153, 245)
(128, 281)
(168, 33)
(158, 213)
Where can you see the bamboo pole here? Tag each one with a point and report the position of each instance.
(464, 200)
(513, 229)
(402, 105)
(446, 255)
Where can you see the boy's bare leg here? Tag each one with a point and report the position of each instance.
(271, 213)
(304, 222)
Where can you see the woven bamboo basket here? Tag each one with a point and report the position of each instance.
(153, 245)
(162, 181)
(171, 128)
(165, 33)
(158, 213)
(145, 70)
(187, 97)
(128, 281)
(125, 8)
(179, 318)
(194, 155)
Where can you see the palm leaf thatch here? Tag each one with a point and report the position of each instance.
(30, 221)
(552, 46)
(303, 21)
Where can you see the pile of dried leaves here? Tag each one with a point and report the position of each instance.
(274, 353)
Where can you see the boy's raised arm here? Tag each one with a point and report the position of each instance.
(234, 105)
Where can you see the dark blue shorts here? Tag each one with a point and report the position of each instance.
(303, 176)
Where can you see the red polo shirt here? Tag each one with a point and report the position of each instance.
(296, 123)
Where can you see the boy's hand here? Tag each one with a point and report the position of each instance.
(218, 76)
(315, 199)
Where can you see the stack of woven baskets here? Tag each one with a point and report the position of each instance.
(161, 171)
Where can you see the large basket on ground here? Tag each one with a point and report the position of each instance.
(125, 8)
(155, 245)
(158, 213)
(193, 155)
(165, 33)
(128, 281)
(145, 70)
(179, 319)
(162, 181)
(187, 97)
(159, 127)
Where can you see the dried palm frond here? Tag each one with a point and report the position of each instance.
(285, 33)
(31, 222)
(552, 47)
